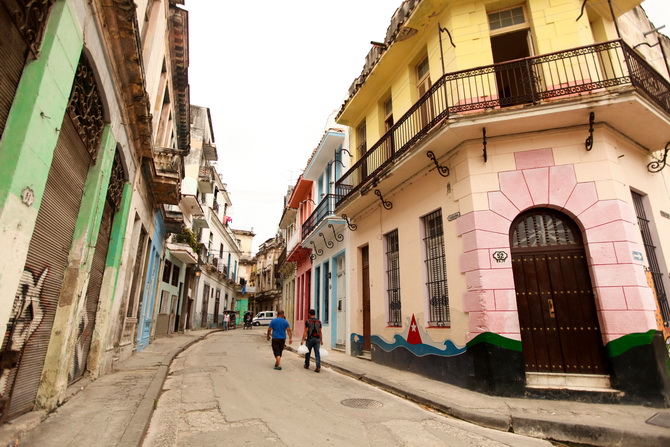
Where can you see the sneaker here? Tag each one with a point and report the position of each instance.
(277, 367)
(317, 370)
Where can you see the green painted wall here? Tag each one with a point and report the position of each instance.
(29, 139)
(34, 121)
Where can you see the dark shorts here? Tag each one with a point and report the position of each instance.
(278, 346)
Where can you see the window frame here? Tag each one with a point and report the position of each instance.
(392, 268)
(510, 28)
(435, 268)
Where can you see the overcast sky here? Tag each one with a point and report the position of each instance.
(271, 73)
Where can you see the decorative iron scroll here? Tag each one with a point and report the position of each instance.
(328, 243)
(338, 237)
(318, 251)
(30, 18)
(443, 170)
(589, 140)
(85, 108)
(658, 165)
(386, 203)
(351, 226)
(116, 181)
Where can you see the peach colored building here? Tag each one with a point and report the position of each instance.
(509, 198)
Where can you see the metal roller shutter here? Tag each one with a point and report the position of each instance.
(36, 300)
(13, 53)
(88, 314)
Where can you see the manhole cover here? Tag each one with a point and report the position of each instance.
(366, 404)
(662, 419)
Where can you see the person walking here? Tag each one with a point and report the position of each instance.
(226, 319)
(278, 329)
(314, 339)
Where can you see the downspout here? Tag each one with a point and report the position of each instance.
(616, 25)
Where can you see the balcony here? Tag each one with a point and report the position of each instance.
(168, 164)
(182, 251)
(324, 209)
(174, 219)
(209, 152)
(205, 179)
(569, 77)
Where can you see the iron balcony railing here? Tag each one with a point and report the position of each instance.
(522, 81)
(324, 209)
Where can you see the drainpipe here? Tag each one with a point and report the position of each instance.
(616, 25)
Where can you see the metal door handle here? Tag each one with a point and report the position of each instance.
(550, 303)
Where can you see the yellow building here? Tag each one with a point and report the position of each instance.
(509, 197)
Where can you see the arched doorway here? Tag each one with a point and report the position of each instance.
(560, 333)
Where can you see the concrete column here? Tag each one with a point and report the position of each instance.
(103, 319)
(75, 281)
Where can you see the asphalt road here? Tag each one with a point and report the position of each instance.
(225, 391)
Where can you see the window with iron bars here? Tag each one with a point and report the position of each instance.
(436, 270)
(650, 251)
(393, 278)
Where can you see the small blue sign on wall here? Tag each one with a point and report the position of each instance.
(637, 256)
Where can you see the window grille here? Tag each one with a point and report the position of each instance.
(542, 229)
(438, 294)
(393, 279)
(167, 269)
(650, 250)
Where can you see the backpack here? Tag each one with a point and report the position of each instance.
(313, 328)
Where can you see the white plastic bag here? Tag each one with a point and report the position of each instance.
(302, 350)
(323, 353)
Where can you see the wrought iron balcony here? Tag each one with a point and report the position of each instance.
(532, 80)
(324, 209)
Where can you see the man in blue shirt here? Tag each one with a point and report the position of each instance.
(278, 329)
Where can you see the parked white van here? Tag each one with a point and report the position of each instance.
(264, 318)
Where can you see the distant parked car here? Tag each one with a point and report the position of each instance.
(264, 318)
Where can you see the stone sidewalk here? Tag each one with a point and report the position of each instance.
(115, 410)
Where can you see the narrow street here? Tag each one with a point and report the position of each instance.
(224, 390)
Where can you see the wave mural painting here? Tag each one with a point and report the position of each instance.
(418, 342)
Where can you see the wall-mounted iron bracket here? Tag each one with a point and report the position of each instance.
(486, 157)
(338, 237)
(443, 170)
(317, 250)
(343, 150)
(328, 243)
(658, 165)
(589, 140)
(351, 226)
(385, 203)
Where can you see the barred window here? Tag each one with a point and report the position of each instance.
(167, 270)
(438, 294)
(393, 278)
(650, 250)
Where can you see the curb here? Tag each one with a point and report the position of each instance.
(538, 428)
(134, 434)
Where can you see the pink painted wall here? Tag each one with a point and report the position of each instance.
(624, 301)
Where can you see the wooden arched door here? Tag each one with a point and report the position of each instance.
(560, 332)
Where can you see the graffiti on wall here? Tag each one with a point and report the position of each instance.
(27, 315)
(415, 339)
